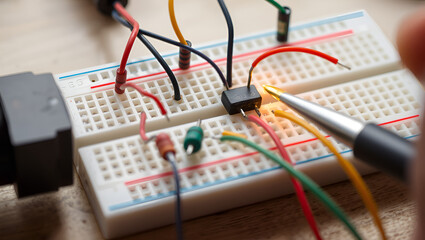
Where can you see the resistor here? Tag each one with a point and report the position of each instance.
(283, 24)
(184, 57)
(164, 145)
(193, 140)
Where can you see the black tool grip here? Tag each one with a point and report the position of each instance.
(385, 151)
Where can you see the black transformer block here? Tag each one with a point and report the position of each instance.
(35, 134)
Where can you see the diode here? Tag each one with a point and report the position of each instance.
(283, 24)
(193, 139)
(184, 57)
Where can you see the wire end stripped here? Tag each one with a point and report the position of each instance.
(343, 65)
(243, 114)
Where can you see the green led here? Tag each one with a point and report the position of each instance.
(193, 139)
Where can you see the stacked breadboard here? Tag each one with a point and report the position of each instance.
(130, 186)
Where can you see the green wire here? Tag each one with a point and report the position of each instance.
(277, 5)
(306, 181)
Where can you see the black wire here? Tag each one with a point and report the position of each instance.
(154, 52)
(179, 228)
(229, 41)
(193, 50)
(176, 43)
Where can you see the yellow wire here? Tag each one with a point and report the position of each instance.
(229, 133)
(347, 166)
(174, 22)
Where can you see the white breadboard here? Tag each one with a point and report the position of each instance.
(131, 188)
(98, 114)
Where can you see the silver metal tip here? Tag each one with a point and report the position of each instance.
(258, 111)
(189, 149)
(243, 113)
(150, 139)
(344, 66)
(168, 118)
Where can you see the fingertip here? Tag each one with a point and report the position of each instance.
(411, 43)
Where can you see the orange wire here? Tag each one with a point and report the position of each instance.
(346, 165)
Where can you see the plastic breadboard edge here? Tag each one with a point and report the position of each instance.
(131, 187)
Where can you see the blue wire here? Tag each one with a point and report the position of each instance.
(179, 228)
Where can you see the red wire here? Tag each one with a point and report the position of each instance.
(121, 10)
(294, 49)
(147, 94)
(297, 185)
(142, 127)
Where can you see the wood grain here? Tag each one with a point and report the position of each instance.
(60, 36)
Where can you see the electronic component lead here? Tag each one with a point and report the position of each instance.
(193, 140)
(283, 24)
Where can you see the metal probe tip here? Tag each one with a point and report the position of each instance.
(274, 91)
(343, 65)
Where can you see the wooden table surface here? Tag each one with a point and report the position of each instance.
(59, 36)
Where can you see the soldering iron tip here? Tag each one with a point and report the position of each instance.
(344, 66)
(168, 118)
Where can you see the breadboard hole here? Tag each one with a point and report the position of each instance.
(201, 87)
(132, 158)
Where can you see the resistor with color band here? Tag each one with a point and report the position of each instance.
(184, 57)
(164, 145)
